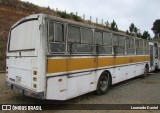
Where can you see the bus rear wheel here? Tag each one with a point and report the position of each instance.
(146, 70)
(103, 84)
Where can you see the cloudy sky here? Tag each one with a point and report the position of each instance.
(140, 12)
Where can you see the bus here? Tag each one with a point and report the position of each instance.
(53, 58)
(155, 50)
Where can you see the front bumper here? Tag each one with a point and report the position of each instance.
(24, 91)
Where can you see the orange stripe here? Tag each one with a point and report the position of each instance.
(73, 64)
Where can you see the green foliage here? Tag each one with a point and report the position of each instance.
(127, 32)
(63, 14)
(135, 30)
(131, 28)
(75, 17)
(156, 28)
(146, 35)
(139, 34)
(114, 26)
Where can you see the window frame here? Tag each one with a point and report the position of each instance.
(64, 38)
(73, 43)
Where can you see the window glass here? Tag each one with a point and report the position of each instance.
(121, 40)
(139, 43)
(98, 37)
(74, 34)
(59, 33)
(131, 43)
(130, 46)
(51, 31)
(115, 40)
(104, 50)
(56, 37)
(81, 48)
(87, 36)
(107, 39)
(139, 47)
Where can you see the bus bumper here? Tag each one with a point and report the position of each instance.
(24, 91)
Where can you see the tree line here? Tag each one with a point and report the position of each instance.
(134, 31)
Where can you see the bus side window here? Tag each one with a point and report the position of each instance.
(87, 36)
(98, 35)
(139, 47)
(74, 34)
(56, 37)
(130, 47)
(103, 42)
(121, 46)
(107, 44)
(115, 40)
(146, 47)
(80, 40)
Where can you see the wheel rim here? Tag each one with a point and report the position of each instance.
(103, 83)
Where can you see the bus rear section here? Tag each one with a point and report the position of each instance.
(22, 66)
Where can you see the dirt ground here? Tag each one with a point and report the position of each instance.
(134, 91)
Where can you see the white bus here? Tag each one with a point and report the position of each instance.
(154, 55)
(53, 58)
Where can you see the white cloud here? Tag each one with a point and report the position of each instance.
(141, 12)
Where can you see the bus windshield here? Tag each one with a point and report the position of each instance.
(24, 36)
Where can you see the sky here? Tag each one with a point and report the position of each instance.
(140, 12)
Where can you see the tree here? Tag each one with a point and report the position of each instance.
(156, 28)
(131, 28)
(139, 34)
(146, 35)
(135, 30)
(114, 26)
(127, 32)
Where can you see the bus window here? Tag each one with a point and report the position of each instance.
(74, 34)
(56, 37)
(130, 47)
(107, 39)
(87, 36)
(98, 37)
(80, 42)
(115, 40)
(146, 47)
(139, 46)
(121, 45)
(106, 48)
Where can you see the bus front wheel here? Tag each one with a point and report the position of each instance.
(103, 84)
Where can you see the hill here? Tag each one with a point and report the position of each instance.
(10, 12)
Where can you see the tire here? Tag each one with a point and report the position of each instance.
(103, 84)
(146, 70)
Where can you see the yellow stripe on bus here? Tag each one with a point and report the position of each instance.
(74, 64)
